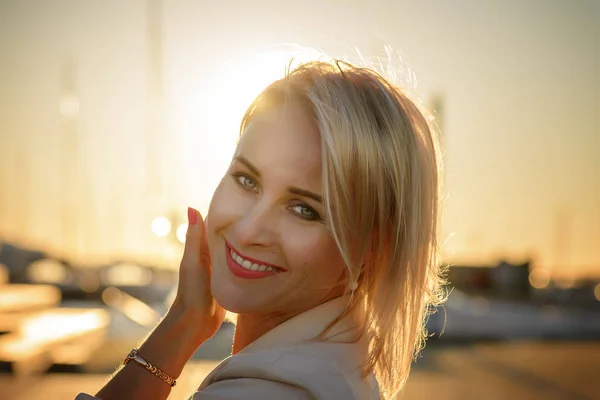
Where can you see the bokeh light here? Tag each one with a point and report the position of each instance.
(161, 226)
(126, 274)
(181, 232)
(47, 271)
(539, 278)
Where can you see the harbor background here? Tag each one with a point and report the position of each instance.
(117, 116)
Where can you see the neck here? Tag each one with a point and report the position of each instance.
(250, 327)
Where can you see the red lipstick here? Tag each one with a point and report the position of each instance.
(241, 272)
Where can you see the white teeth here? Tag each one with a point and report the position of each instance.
(237, 258)
(249, 265)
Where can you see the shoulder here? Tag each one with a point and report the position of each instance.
(85, 396)
(251, 389)
(312, 370)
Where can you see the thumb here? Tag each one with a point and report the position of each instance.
(195, 238)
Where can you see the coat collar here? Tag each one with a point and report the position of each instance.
(306, 326)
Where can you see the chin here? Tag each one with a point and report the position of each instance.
(232, 298)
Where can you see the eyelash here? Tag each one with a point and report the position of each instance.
(314, 217)
(237, 175)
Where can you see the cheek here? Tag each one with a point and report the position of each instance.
(224, 208)
(317, 256)
(221, 214)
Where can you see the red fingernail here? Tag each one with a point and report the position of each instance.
(192, 216)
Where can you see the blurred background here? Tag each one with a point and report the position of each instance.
(115, 116)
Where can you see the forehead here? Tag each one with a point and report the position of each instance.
(283, 140)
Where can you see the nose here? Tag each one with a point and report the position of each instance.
(257, 226)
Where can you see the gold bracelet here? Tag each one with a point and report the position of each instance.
(134, 356)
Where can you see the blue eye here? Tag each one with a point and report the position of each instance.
(247, 182)
(305, 212)
(244, 181)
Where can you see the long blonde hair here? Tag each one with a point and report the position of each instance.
(381, 167)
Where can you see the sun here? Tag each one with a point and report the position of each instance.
(209, 119)
(243, 78)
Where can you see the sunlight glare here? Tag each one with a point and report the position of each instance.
(209, 115)
(242, 79)
(53, 326)
(161, 226)
(181, 232)
(133, 308)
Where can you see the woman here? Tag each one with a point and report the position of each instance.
(322, 239)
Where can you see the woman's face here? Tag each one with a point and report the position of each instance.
(271, 251)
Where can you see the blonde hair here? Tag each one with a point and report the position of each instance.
(381, 167)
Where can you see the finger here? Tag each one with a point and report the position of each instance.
(204, 253)
(193, 238)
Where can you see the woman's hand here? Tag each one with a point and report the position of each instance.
(193, 318)
(194, 299)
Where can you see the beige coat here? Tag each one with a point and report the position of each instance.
(285, 364)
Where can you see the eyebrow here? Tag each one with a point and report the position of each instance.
(248, 164)
(292, 189)
(305, 193)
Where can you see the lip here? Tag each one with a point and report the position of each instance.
(242, 272)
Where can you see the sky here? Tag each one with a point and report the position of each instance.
(521, 110)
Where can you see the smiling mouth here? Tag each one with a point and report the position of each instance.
(251, 265)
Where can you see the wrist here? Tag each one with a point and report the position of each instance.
(173, 341)
(189, 323)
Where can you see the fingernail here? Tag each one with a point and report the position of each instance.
(192, 216)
